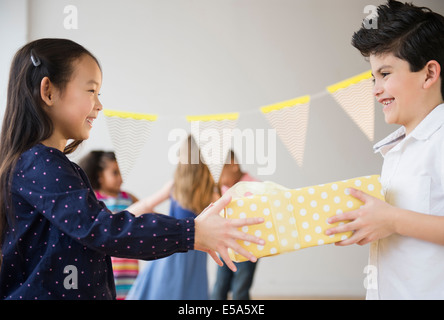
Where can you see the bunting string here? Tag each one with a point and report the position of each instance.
(212, 133)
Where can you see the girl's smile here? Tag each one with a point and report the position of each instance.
(90, 121)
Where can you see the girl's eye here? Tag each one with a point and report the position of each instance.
(93, 92)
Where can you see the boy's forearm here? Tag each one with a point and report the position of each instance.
(420, 226)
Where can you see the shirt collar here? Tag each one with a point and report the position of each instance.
(431, 123)
(390, 141)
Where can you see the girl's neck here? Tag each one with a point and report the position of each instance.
(55, 143)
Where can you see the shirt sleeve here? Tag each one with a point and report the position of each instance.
(60, 191)
(441, 176)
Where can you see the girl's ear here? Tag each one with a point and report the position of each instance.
(433, 73)
(47, 91)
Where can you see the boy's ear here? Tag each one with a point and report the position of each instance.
(47, 91)
(433, 73)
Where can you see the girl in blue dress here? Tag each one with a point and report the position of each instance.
(182, 276)
(56, 237)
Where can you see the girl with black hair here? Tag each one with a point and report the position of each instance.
(56, 237)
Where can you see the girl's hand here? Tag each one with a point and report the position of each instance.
(374, 220)
(216, 234)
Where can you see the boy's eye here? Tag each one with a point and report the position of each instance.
(383, 75)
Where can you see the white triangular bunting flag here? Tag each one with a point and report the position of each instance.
(290, 119)
(212, 134)
(129, 133)
(355, 96)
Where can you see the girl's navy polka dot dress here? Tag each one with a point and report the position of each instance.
(60, 237)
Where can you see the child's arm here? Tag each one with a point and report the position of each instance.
(71, 206)
(148, 204)
(377, 219)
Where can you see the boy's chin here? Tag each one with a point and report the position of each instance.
(389, 119)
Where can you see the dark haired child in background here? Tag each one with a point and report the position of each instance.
(406, 53)
(103, 172)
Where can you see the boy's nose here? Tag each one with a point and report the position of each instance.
(377, 89)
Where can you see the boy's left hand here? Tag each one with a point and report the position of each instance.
(372, 221)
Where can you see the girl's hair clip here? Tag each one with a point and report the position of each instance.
(35, 60)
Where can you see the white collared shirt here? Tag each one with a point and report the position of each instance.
(412, 178)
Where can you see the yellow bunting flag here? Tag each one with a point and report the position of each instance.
(212, 134)
(290, 119)
(129, 132)
(355, 96)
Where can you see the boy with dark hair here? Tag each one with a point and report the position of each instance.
(406, 53)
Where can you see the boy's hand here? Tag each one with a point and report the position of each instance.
(374, 220)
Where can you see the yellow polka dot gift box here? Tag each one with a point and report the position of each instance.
(294, 218)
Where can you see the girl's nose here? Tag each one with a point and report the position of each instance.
(98, 105)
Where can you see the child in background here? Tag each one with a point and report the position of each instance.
(56, 237)
(406, 53)
(104, 175)
(238, 282)
(181, 276)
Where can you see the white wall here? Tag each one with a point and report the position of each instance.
(13, 35)
(182, 57)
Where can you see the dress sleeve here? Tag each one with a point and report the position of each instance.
(60, 191)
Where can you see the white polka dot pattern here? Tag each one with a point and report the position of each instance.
(294, 219)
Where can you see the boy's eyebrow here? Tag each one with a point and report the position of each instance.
(380, 68)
